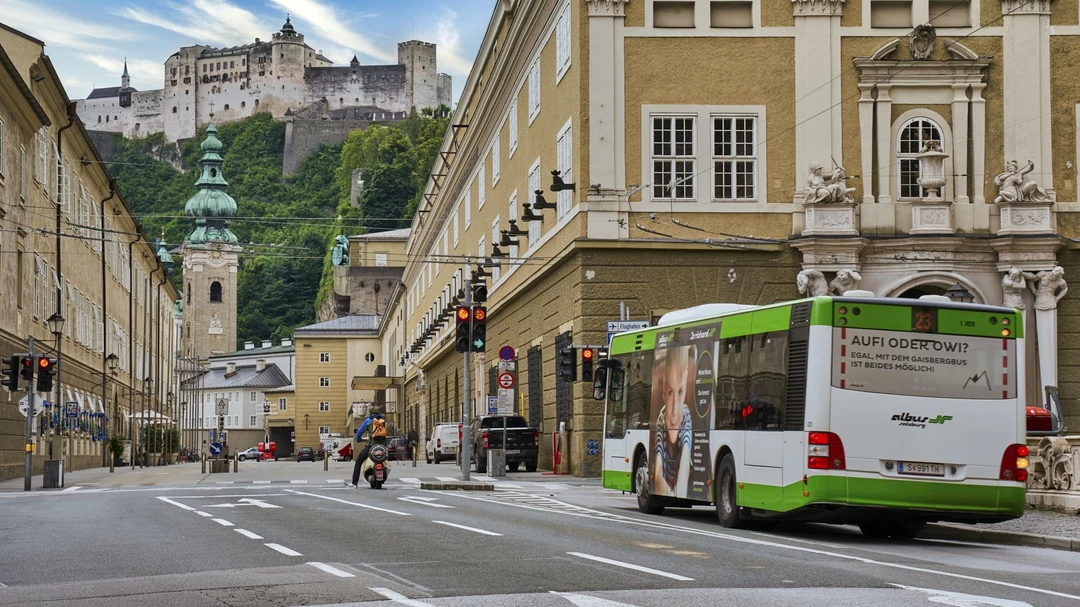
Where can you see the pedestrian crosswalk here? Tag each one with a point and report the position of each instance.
(415, 482)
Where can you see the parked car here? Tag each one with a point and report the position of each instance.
(522, 442)
(443, 443)
(305, 453)
(252, 453)
(396, 449)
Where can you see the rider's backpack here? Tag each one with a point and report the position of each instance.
(378, 428)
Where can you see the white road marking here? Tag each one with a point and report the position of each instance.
(789, 539)
(283, 549)
(201, 513)
(400, 598)
(247, 501)
(626, 520)
(246, 533)
(70, 489)
(447, 479)
(298, 482)
(334, 499)
(624, 565)
(260, 482)
(177, 504)
(217, 497)
(224, 482)
(582, 600)
(426, 501)
(331, 481)
(511, 486)
(3, 585)
(331, 570)
(958, 599)
(222, 522)
(473, 529)
(411, 481)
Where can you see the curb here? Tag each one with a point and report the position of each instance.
(945, 531)
(458, 486)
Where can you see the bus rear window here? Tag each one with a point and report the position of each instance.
(920, 364)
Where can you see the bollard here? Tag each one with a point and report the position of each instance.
(203, 458)
(235, 463)
(326, 461)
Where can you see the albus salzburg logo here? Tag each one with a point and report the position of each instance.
(914, 421)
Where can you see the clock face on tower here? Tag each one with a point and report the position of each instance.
(216, 254)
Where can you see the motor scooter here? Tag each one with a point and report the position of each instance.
(376, 468)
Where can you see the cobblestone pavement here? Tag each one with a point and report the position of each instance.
(1039, 522)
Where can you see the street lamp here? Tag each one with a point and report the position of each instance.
(56, 324)
(111, 361)
(959, 294)
(168, 431)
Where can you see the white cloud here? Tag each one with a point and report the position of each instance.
(448, 40)
(204, 22)
(326, 23)
(61, 29)
(140, 70)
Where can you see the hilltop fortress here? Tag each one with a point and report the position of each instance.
(280, 76)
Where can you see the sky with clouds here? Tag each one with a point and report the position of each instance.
(88, 40)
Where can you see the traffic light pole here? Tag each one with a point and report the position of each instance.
(465, 448)
(29, 471)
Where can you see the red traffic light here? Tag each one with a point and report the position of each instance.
(587, 354)
(44, 363)
(479, 314)
(462, 313)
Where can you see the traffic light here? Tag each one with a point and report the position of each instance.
(11, 373)
(566, 364)
(462, 340)
(479, 293)
(27, 368)
(588, 355)
(46, 370)
(479, 328)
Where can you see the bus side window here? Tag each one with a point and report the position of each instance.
(765, 407)
(731, 385)
(629, 394)
(599, 386)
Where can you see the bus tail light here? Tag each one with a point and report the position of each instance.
(825, 452)
(1014, 464)
(485, 440)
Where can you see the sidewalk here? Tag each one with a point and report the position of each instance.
(178, 474)
(1037, 528)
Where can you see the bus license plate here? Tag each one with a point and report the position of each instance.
(920, 469)
(513, 451)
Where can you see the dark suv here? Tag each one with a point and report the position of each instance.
(305, 453)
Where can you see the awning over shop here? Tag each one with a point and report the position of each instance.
(362, 382)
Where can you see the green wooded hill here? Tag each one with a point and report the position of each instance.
(287, 225)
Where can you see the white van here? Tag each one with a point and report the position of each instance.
(443, 443)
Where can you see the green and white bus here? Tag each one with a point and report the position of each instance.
(886, 413)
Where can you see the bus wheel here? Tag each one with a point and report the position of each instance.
(646, 502)
(727, 508)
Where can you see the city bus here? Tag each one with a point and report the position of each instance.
(884, 413)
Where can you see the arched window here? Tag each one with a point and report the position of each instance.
(910, 140)
(215, 291)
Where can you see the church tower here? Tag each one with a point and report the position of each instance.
(125, 80)
(210, 260)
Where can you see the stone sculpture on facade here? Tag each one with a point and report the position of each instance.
(339, 255)
(1049, 287)
(1053, 465)
(821, 189)
(215, 326)
(1013, 186)
(812, 283)
(921, 41)
(1013, 285)
(846, 280)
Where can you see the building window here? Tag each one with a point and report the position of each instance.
(495, 161)
(456, 228)
(731, 13)
(950, 13)
(37, 286)
(734, 157)
(1, 148)
(324, 382)
(252, 421)
(481, 186)
(324, 406)
(534, 185)
(252, 396)
(243, 104)
(562, 44)
(324, 430)
(910, 140)
(282, 404)
(511, 127)
(380, 259)
(496, 226)
(226, 106)
(673, 14)
(468, 209)
(534, 90)
(512, 214)
(564, 159)
(324, 357)
(890, 13)
(215, 291)
(22, 172)
(673, 164)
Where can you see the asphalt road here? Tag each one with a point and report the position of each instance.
(533, 541)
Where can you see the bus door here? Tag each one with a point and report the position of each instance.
(763, 410)
(609, 385)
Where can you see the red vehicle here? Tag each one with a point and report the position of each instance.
(345, 453)
(267, 451)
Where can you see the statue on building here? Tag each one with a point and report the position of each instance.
(921, 41)
(1013, 285)
(827, 189)
(339, 256)
(1049, 287)
(216, 327)
(812, 283)
(1013, 186)
(846, 280)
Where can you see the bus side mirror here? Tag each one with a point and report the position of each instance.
(599, 381)
(615, 387)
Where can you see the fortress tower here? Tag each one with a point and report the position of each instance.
(210, 260)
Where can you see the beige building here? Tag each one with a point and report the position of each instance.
(691, 129)
(367, 275)
(98, 272)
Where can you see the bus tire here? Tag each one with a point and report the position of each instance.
(726, 487)
(646, 502)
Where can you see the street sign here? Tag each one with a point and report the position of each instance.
(620, 326)
(215, 448)
(507, 353)
(507, 365)
(71, 409)
(506, 380)
(222, 407)
(24, 404)
(592, 447)
(506, 402)
(493, 405)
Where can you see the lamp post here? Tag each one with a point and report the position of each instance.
(55, 323)
(168, 431)
(148, 390)
(111, 362)
(959, 294)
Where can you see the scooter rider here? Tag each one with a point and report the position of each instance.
(377, 424)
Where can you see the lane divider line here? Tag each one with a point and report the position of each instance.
(331, 570)
(359, 505)
(400, 598)
(473, 529)
(222, 522)
(248, 534)
(282, 549)
(600, 559)
(205, 514)
(177, 504)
